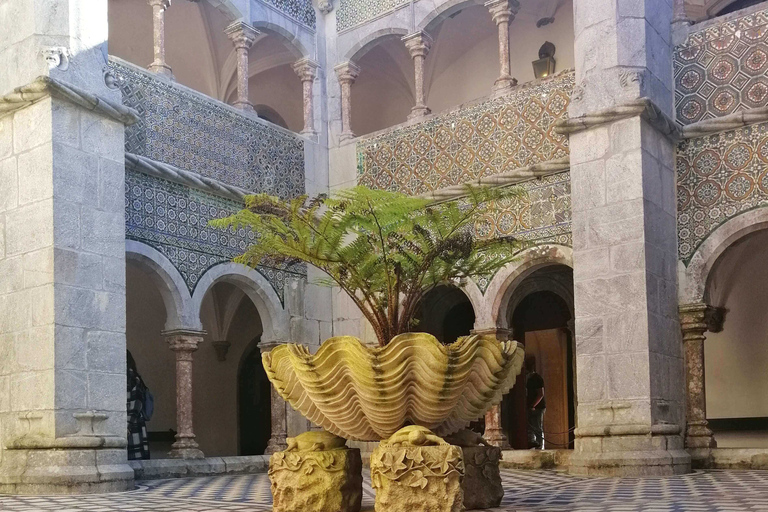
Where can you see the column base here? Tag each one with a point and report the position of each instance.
(247, 106)
(504, 84)
(162, 70)
(277, 443)
(699, 435)
(185, 448)
(65, 471)
(419, 111)
(630, 456)
(498, 439)
(345, 136)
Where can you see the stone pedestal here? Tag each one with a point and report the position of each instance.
(317, 473)
(416, 471)
(482, 480)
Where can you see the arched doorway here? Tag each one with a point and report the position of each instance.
(736, 358)
(254, 402)
(539, 314)
(446, 313)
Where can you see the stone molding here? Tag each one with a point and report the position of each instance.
(45, 86)
(505, 179)
(638, 429)
(725, 123)
(191, 179)
(643, 107)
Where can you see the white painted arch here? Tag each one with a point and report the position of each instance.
(275, 319)
(169, 282)
(693, 278)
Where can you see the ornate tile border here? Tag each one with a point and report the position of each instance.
(722, 69)
(184, 129)
(488, 138)
(719, 177)
(173, 219)
(356, 12)
(300, 10)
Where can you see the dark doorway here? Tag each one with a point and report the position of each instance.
(446, 313)
(254, 402)
(737, 6)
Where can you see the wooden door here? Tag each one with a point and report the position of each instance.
(551, 350)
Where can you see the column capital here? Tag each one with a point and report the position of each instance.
(698, 318)
(306, 68)
(503, 11)
(241, 34)
(418, 43)
(163, 4)
(347, 72)
(183, 340)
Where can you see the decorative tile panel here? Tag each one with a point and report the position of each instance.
(300, 10)
(356, 12)
(719, 177)
(722, 69)
(173, 219)
(488, 138)
(184, 129)
(541, 215)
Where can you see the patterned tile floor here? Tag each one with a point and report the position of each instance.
(526, 491)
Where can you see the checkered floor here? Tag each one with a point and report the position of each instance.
(526, 491)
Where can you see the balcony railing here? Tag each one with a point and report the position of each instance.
(300, 10)
(352, 13)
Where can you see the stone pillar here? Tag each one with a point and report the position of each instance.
(628, 350)
(418, 45)
(307, 71)
(693, 322)
(159, 65)
(503, 12)
(347, 73)
(680, 16)
(242, 36)
(277, 442)
(184, 343)
(62, 253)
(494, 432)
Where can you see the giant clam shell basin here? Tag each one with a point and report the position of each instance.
(366, 393)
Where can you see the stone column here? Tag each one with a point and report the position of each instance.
(693, 322)
(503, 12)
(242, 36)
(307, 71)
(62, 253)
(279, 419)
(630, 384)
(347, 73)
(494, 432)
(184, 343)
(418, 45)
(680, 16)
(159, 65)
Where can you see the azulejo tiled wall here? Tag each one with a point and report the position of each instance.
(488, 138)
(722, 69)
(719, 177)
(173, 219)
(185, 129)
(540, 214)
(356, 12)
(300, 10)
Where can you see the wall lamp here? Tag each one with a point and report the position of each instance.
(545, 66)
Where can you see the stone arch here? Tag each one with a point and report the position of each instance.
(432, 21)
(364, 45)
(693, 278)
(169, 282)
(532, 285)
(274, 318)
(503, 285)
(227, 8)
(292, 41)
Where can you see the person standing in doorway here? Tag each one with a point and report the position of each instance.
(534, 386)
(138, 441)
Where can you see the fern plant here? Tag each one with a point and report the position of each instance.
(386, 250)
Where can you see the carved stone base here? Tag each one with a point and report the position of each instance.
(416, 471)
(482, 480)
(185, 448)
(418, 112)
(317, 473)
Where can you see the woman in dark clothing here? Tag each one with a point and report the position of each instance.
(138, 444)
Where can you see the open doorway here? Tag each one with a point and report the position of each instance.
(254, 402)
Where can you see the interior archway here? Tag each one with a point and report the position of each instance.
(735, 359)
(446, 313)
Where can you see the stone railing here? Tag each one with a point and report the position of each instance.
(188, 130)
(300, 10)
(352, 13)
(721, 68)
(470, 142)
(189, 159)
